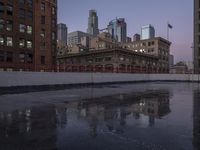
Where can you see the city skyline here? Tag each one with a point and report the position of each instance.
(137, 14)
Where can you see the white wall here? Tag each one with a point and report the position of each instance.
(8, 79)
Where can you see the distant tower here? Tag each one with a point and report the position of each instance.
(136, 37)
(62, 34)
(147, 32)
(93, 23)
(117, 28)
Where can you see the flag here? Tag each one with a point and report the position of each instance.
(170, 26)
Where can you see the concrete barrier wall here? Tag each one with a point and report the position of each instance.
(9, 79)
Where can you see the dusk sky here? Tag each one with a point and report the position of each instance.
(179, 13)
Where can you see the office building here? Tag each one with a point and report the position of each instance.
(62, 35)
(75, 37)
(93, 23)
(117, 28)
(196, 52)
(171, 60)
(147, 32)
(28, 31)
(136, 37)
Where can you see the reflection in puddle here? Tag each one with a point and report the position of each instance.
(134, 121)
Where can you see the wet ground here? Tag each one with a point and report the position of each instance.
(143, 116)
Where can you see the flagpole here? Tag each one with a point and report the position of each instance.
(168, 31)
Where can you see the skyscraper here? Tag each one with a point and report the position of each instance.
(196, 53)
(75, 37)
(62, 34)
(28, 31)
(117, 28)
(93, 23)
(147, 32)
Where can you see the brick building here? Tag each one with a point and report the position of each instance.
(28, 30)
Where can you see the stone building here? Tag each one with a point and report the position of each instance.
(109, 60)
(105, 54)
(103, 41)
(158, 47)
(179, 68)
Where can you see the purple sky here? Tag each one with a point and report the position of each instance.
(179, 13)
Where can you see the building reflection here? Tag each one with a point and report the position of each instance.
(112, 111)
(196, 119)
(29, 129)
(37, 128)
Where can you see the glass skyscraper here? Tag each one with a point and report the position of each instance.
(62, 34)
(93, 23)
(117, 29)
(147, 32)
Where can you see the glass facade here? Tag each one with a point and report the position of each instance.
(147, 32)
(117, 29)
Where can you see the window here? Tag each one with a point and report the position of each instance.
(199, 27)
(10, 10)
(2, 40)
(108, 59)
(2, 24)
(2, 55)
(29, 29)
(42, 19)
(199, 51)
(1, 8)
(53, 35)
(22, 13)
(199, 63)
(199, 15)
(99, 59)
(30, 15)
(21, 2)
(9, 41)
(54, 23)
(9, 57)
(42, 60)
(9, 26)
(43, 6)
(29, 58)
(21, 43)
(10, 1)
(42, 45)
(53, 11)
(199, 39)
(30, 3)
(29, 44)
(22, 57)
(42, 33)
(22, 28)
